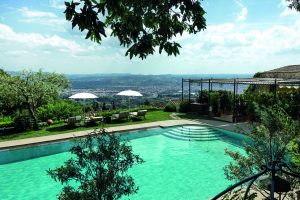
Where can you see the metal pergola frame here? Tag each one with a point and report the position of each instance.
(235, 82)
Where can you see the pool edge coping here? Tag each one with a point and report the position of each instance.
(30, 142)
(35, 141)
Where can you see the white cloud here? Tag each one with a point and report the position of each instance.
(33, 40)
(16, 52)
(243, 13)
(35, 13)
(225, 45)
(58, 4)
(43, 18)
(58, 23)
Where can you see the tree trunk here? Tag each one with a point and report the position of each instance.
(32, 116)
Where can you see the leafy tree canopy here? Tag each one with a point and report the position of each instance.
(140, 25)
(275, 121)
(99, 167)
(31, 89)
(294, 4)
(3, 73)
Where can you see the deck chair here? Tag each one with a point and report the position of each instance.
(72, 121)
(121, 116)
(138, 114)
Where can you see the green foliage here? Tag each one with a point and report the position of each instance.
(104, 106)
(246, 104)
(170, 107)
(99, 167)
(5, 119)
(141, 26)
(204, 98)
(273, 120)
(9, 100)
(147, 102)
(31, 90)
(22, 120)
(59, 110)
(253, 111)
(294, 4)
(220, 100)
(148, 108)
(96, 105)
(215, 102)
(3, 73)
(295, 152)
(60, 128)
(184, 106)
(6, 124)
(226, 100)
(242, 105)
(289, 101)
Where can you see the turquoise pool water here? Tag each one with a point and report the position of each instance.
(174, 168)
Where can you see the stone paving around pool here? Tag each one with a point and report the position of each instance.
(67, 136)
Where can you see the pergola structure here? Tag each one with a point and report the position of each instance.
(272, 82)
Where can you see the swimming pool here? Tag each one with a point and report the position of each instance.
(180, 163)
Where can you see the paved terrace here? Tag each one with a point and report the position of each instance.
(67, 136)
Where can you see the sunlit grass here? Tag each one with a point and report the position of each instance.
(62, 127)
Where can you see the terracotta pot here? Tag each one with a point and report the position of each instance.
(49, 122)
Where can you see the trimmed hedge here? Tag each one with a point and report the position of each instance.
(59, 110)
(109, 113)
(184, 107)
(170, 108)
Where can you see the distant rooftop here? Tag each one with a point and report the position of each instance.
(289, 68)
(286, 72)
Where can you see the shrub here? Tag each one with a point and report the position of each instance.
(6, 124)
(22, 120)
(59, 110)
(99, 167)
(215, 102)
(147, 103)
(5, 121)
(170, 108)
(149, 108)
(226, 100)
(184, 107)
(109, 113)
(273, 120)
(203, 98)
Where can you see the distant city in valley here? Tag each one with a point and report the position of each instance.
(151, 86)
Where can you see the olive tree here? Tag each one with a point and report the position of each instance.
(140, 25)
(98, 168)
(31, 90)
(273, 121)
(8, 102)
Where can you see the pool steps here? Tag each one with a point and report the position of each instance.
(195, 133)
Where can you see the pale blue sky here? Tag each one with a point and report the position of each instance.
(242, 36)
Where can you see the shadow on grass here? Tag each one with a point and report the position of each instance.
(135, 119)
(192, 116)
(123, 121)
(61, 128)
(66, 127)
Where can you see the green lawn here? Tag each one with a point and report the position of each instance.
(63, 128)
(191, 116)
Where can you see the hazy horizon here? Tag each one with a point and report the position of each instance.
(124, 73)
(242, 37)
